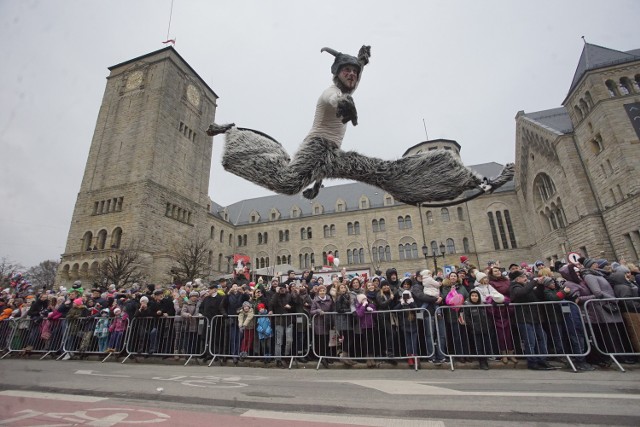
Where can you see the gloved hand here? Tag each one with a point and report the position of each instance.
(346, 110)
(364, 54)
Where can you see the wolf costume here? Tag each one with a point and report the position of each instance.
(434, 176)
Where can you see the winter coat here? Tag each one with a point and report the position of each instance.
(393, 284)
(246, 319)
(477, 319)
(365, 315)
(264, 327)
(119, 323)
(451, 315)
(622, 288)
(600, 288)
(211, 305)
(530, 292)
(278, 306)
(488, 291)
(101, 329)
(344, 319)
(190, 316)
(232, 303)
(322, 322)
(423, 299)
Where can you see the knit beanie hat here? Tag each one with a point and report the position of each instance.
(78, 301)
(144, 299)
(480, 275)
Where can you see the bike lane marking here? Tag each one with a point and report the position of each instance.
(51, 396)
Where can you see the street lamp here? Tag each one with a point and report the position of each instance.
(434, 256)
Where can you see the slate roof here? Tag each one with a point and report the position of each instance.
(350, 193)
(556, 119)
(594, 57)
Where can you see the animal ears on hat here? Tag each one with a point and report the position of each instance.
(341, 60)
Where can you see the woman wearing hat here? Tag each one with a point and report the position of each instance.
(502, 315)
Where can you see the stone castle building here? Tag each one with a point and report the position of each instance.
(577, 186)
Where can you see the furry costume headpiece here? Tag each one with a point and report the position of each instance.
(341, 60)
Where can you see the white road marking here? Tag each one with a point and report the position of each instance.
(51, 396)
(414, 388)
(98, 374)
(342, 419)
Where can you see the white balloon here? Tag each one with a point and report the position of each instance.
(336, 262)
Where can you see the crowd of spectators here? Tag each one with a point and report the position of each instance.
(472, 313)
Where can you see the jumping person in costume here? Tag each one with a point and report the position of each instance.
(433, 176)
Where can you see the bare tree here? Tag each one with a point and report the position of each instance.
(122, 266)
(191, 259)
(43, 275)
(7, 269)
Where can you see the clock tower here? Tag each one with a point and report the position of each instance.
(146, 180)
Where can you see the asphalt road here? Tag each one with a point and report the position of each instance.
(178, 395)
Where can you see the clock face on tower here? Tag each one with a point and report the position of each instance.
(193, 95)
(134, 80)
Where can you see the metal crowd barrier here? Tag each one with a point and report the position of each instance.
(378, 335)
(28, 336)
(265, 337)
(7, 328)
(534, 330)
(614, 324)
(177, 337)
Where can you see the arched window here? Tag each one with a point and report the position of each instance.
(465, 245)
(361, 252)
(239, 240)
(625, 86)
(400, 223)
(349, 257)
(308, 232)
(280, 236)
(325, 230)
(87, 240)
(401, 252)
(387, 252)
(230, 239)
(584, 106)
(349, 228)
(210, 258)
(303, 234)
(451, 246)
(102, 238)
(332, 229)
(407, 222)
(244, 240)
(434, 247)
(374, 225)
(374, 254)
(286, 235)
(612, 88)
(221, 236)
(259, 238)
(265, 237)
(429, 217)
(381, 224)
(545, 186)
(213, 230)
(414, 251)
(444, 212)
(356, 227)
(116, 238)
(219, 262)
(578, 112)
(589, 99)
(460, 214)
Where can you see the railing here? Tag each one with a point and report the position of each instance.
(533, 330)
(379, 335)
(615, 327)
(27, 336)
(266, 337)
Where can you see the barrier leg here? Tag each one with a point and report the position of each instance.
(451, 363)
(617, 363)
(188, 360)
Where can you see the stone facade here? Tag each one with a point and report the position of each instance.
(147, 174)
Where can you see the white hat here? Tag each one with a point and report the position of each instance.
(480, 275)
(144, 299)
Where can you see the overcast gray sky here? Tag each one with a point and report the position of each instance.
(465, 67)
